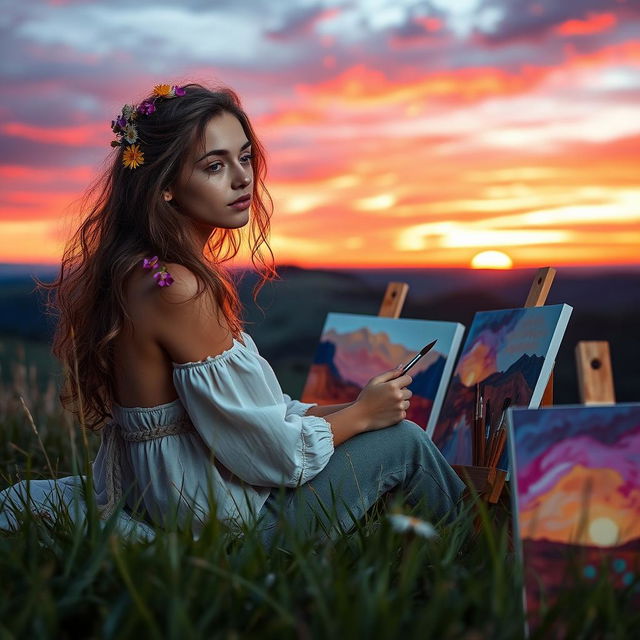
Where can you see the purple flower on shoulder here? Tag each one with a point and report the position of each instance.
(179, 91)
(150, 263)
(163, 277)
(121, 122)
(146, 108)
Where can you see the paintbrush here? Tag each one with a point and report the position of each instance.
(423, 352)
(485, 432)
(481, 428)
(498, 436)
(501, 440)
(474, 433)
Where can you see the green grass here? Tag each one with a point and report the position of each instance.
(60, 580)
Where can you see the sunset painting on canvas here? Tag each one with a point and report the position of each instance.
(577, 498)
(508, 354)
(355, 348)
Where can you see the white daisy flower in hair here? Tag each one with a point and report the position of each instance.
(130, 134)
(128, 110)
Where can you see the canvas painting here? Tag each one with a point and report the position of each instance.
(577, 499)
(509, 354)
(355, 348)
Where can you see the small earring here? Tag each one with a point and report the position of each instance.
(167, 196)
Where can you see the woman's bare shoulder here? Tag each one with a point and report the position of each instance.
(187, 325)
(141, 285)
(184, 285)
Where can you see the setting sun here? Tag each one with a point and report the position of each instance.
(491, 260)
(604, 532)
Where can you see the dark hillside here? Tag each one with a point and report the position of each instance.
(293, 309)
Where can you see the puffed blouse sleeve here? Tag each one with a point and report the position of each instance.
(257, 432)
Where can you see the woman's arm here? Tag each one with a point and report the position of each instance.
(327, 409)
(255, 436)
(381, 403)
(232, 395)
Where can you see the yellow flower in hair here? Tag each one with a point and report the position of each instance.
(132, 157)
(162, 90)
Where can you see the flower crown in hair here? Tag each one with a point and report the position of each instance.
(124, 126)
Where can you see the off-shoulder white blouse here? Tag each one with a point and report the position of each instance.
(228, 439)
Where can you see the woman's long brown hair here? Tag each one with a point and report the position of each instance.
(128, 219)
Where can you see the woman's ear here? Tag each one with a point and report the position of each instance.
(167, 195)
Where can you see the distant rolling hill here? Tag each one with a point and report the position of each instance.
(606, 307)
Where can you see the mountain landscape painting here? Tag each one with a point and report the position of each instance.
(508, 355)
(576, 500)
(355, 348)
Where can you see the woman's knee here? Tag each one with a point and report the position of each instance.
(398, 443)
(409, 434)
(415, 444)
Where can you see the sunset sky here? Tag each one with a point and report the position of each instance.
(399, 133)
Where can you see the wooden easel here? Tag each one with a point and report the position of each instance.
(537, 298)
(393, 300)
(595, 374)
(488, 482)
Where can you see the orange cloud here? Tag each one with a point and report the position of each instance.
(34, 175)
(361, 84)
(36, 205)
(595, 23)
(31, 241)
(75, 136)
(429, 24)
(289, 118)
(616, 54)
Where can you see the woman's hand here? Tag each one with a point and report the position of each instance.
(385, 399)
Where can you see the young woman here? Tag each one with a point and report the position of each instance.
(192, 417)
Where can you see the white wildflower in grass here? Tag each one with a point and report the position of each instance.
(405, 524)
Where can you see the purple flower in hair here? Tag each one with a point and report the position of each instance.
(163, 277)
(146, 108)
(125, 130)
(150, 263)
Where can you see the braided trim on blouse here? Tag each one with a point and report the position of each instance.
(113, 439)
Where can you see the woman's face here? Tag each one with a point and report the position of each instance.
(215, 176)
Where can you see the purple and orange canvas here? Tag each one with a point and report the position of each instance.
(355, 348)
(576, 500)
(510, 355)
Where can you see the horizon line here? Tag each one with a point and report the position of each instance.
(371, 267)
